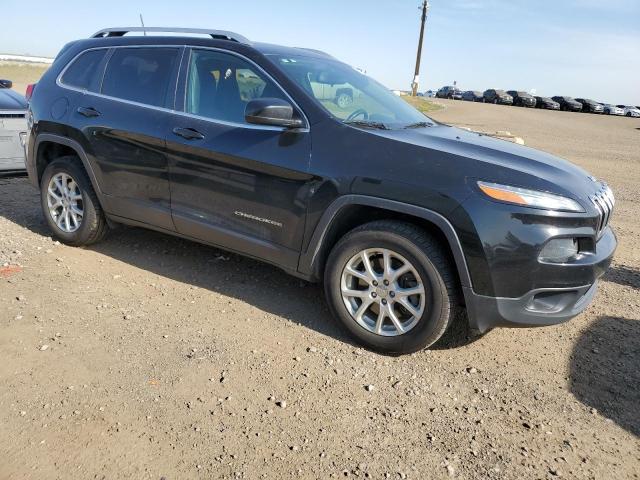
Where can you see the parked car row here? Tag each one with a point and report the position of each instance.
(523, 99)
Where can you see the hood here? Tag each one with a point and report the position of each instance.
(10, 100)
(482, 157)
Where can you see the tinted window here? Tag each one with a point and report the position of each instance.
(84, 72)
(141, 75)
(220, 85)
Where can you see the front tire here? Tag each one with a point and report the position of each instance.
(392, 286)
(69, 203)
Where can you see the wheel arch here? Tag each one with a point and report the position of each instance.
(350, 211)
(49, 146)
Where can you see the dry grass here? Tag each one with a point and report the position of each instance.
(422, 104)
(22, 74)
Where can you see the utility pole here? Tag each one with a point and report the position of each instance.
(416, 76)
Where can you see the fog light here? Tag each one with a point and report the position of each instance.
(559, 250)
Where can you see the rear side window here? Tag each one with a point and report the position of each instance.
(85, 71)
(141, 75)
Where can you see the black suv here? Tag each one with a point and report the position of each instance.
(522, 99)
(568, 104)
(452, 93)
(546, 102)
(497, 96)
(241, 145)
(590, 106)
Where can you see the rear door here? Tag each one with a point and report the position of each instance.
(124, 124)
(234, 184)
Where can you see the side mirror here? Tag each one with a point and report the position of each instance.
(6, 84)
(271, 111)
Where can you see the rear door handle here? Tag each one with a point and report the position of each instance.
(88, 112)
(188, 133)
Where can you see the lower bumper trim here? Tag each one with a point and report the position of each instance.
(536, 308)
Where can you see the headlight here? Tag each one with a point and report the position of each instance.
(529, 198)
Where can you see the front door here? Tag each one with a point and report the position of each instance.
(240, 186)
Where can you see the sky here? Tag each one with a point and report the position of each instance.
(580, 48)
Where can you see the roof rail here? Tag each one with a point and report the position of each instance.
(216, 34)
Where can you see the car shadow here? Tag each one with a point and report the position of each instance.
(259, 284)
(624, 275)
(263, 286)
(605, 370)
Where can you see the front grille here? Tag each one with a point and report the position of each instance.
(604, 202)
(12, 115)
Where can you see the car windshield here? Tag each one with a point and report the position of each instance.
(349, 95)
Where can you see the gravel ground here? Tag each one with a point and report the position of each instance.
(147, 356)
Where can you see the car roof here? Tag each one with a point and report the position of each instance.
(10, 100)
(191, 37)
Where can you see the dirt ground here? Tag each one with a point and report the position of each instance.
(149, 357)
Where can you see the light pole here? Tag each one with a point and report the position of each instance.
(416, 76)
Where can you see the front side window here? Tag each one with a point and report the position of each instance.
(346, 93)
(84, 72)
(219, 86)
(141, 75)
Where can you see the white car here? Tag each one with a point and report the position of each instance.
(612, 110)
(13, 129)
(630, 110)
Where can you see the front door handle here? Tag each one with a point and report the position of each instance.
(188, 133)
(88, 112)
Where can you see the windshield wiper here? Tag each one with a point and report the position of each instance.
(419, 125)
(367, 124)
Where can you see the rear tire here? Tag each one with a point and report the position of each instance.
(66, 194)
(374, 311)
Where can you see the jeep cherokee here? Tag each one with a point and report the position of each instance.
(227, 142)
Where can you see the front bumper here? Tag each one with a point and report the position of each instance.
(542, 306)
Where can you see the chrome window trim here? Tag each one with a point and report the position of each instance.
(84, 91)
(71, 62)
(13, 112)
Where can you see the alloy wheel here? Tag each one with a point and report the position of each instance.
(64, 200)
(383, 292)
